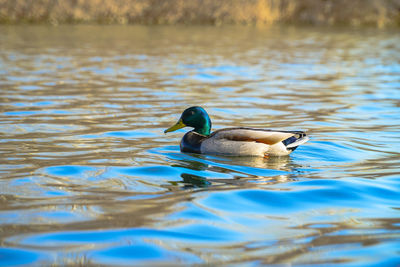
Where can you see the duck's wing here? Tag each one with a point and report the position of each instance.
(269, 137)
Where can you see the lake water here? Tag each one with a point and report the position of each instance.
(88, 176)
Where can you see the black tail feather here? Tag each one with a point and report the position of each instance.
(292, 139)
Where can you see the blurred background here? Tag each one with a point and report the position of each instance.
(377, 13)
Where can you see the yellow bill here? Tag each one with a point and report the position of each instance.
(177, 126)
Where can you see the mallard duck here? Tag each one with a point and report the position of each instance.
(233, 141)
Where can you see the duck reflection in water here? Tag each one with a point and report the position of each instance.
(223, 170)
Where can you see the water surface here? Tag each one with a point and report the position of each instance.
(88, 177)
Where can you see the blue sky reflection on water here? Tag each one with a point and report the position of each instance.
(87, 175)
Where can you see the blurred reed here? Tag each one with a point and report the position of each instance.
(377, 13)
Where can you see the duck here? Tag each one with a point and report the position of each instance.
(236, 141)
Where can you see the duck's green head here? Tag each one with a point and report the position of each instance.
(195, 117)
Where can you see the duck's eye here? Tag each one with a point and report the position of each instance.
(191, 112)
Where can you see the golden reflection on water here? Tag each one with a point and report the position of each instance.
(83, 110)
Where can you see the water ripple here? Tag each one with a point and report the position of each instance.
(88, 177)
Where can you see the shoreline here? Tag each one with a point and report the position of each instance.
(356, 13)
